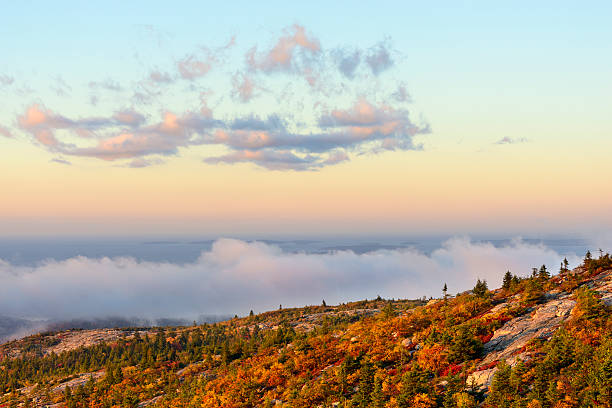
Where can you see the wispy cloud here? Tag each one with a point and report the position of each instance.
(264, 142)
(191, 67)
(160, 77)
(244, 87)
(141, 163)
(379, 58)
(60, 87)
(4, 131)
(401, 94)
(281, 140)
(347, 61)
(61, 161)
(289, 53)
(107, 84)
(508, 140)
(6, 80)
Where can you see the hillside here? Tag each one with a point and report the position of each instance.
(538, 341)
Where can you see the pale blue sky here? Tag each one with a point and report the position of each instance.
(506, 86)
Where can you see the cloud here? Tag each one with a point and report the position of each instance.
(108, 84)
(4, 131)
(509, 140)
(160, 77)
(6, 80)
(192, 68)
(266, 142)
(162, 138)
(293, 137)
(401, 94)
(129, 117)
(347, 61)
(294, 52)
(61, 161)
(274, 159)
(379, 58)
(60, 87)
(244, 87)
(141, 163)
(237, 276)
(42, 124)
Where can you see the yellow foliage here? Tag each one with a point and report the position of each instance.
(422, 401)
(464, 400)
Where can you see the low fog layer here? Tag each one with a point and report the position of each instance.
(237, 276)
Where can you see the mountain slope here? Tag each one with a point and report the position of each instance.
(537, 342)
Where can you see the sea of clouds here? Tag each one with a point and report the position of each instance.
(235, 276)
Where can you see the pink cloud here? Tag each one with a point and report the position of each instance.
(281, 57)
(192, 68)
(4, 131)
(244, 87)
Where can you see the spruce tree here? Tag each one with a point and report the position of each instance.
(500, 394)
(543, 273)
(507, 280)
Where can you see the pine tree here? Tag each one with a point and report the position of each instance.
(445, 291)
(363, 398)
(378, 396)
(481, 288)
(414, 382)
(543, 273)
(500, 387)
(507, 280)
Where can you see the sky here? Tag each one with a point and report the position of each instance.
(304, 119)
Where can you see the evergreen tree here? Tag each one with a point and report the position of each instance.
(543, 273)
(389, 311)
(378, 396)
(481, 288)
(500, 395)
(414, 382)
(445, 291)
(507, 282)
(363, 398)
(465, 346)
(533, 291)
(516, 378)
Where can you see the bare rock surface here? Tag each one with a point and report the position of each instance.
(508, 341)
(516, 333)
(80, 380)
(74, 339)
(482, 378)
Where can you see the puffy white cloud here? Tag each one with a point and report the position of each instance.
(236, 276)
